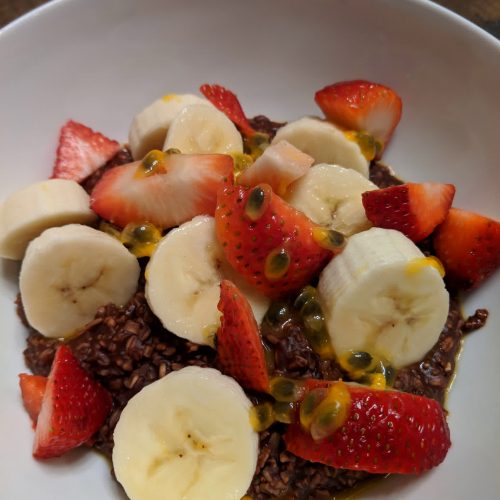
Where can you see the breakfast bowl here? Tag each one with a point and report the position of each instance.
(101, 62)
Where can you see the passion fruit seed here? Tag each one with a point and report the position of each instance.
(305, 295)
(277, 314)
(173, 151)
(140, 239)
(257, 202)
(241, 162)
(283, 412)
(110, 229)
(153, 163)
(286, 390)
(359, 360)
(384, 368)
(331, 413)
(277, 264)
(309, 404)
(329, 239)
(366, 142)
(315, 329)
(262, 416)
(256, 144)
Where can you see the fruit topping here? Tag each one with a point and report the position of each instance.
(363, 106)
(468, 245)
(81, 152)
(73, 408)
(279, 165)
(227, 102)
(179, 188)
(414, 209)
(267, 241)
(32, 391)
(240, 352)
(353, 427)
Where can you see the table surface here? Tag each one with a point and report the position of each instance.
(485, 13)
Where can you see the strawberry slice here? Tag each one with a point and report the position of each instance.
(363, 106)
(384, 432)
(32, 391)
(239, 347)
(227, 102)
(414, 209)
(81, 152)
(74, 407)
(176, 188)
(468, 245)
(273, 246)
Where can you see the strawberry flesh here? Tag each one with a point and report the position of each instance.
(248, 244)
(240, 352)
(468, 245)
(81, 152)
(414, 209)
(363, 106)
(187, 188)
(74, 407)
(385, 432)
(32, 391)
(227, 102)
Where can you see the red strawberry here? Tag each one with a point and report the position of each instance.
(384, 432)
(414, 209)
(227, 102)
(273, 246)
(361, 105)
(81, 152)
(174, 190)
(74, 407)
(32, 391)
(468, 245)
(239, 347)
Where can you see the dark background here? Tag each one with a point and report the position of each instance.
(485, 13)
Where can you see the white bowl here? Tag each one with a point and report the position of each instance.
(100, 61)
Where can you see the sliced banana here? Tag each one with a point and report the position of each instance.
(186, 436)
(200, 129)
(331, 196)
(25, 214)
(325, 142)
(68, 272)
(183, 278)
(381, 295)
(149, 127)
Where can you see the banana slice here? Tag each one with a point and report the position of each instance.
(149, 127)
(203, 129)
(186, 436)
(331, 196)
(383, 296)
(69, 272)
(25, 214)
(324, 142)
(183, 277)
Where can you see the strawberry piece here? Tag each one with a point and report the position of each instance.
(81, 152)
(363, 106)
(186, 186)
(384, 432)
(267, 241)
(468, 245)
(227, 102)
(74, 407)
(414, 209)
(32, 391)
(239, 347)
